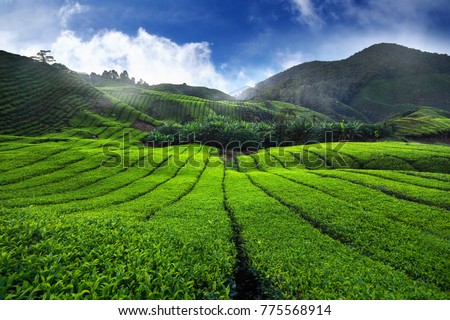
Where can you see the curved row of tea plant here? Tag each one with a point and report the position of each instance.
(357, 155)
(87, 256)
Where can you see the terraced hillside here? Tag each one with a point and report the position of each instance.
(176, 107)
(37, 98)
(200, 92)
(85, 220)
(423, 122)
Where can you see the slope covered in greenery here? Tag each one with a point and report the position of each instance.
(37, 98)
(385, 98)
(112, 79)
(200, 92)
(184, 108)
(380, 81)
(423, 122)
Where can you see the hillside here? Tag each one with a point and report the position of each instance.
(184, 108)
(381, 81)
(38, 98)
(200, 92)
(423, 122)
(105, 80)
(87, 218)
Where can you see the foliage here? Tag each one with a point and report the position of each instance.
(368, 231)
(423, 122)
(227, 133)
(168, 106)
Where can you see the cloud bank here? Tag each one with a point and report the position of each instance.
(152, 58)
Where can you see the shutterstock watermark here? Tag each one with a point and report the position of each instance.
(129, 153)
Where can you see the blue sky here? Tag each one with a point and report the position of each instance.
(222, 44)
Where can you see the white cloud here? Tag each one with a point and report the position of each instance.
(307, 13)
(248, 77)
(390, 13)
(152, 58)
(287, 59)
(68, 10)
(6, 39)
(29, 26)
(352, 42)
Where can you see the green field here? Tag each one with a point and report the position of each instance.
(97, 219)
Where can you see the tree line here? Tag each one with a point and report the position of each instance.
(113, 75)
(225, 132)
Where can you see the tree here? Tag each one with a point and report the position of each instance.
(106, 75)
(114, 75)
(111, 74)
(42, 56)
(142, 83)
(281, 122)
(124, 76)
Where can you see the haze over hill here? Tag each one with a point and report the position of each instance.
(379, 82)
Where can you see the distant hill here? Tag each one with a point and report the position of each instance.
(200, 92)
(423, 122)
(184, 108)
(382, 81)
(184, 103)
(37, 98)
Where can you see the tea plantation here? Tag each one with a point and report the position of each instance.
(103, 219)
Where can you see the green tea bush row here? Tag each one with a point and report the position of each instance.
(410, 213)
(400, 189)
(294, 260)
(421, 256)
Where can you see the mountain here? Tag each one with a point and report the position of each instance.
(382, 81)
